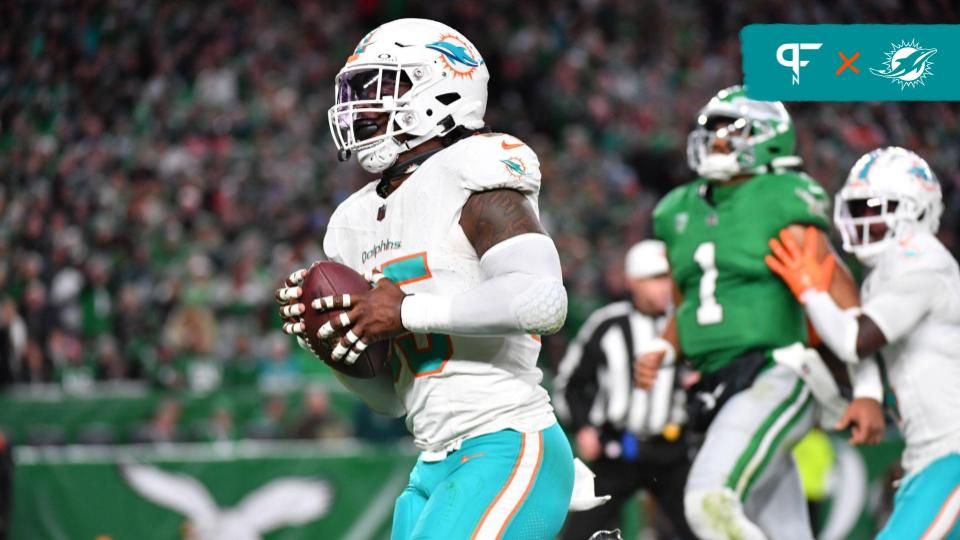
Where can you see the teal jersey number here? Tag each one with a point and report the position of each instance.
(428, 359)
(427, 354)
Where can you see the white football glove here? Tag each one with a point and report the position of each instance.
(288, 296)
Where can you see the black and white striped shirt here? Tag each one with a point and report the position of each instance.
(594, 383)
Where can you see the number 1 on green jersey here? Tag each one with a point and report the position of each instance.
(709, 312)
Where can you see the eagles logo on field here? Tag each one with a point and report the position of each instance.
(280, 503)
(457, 55)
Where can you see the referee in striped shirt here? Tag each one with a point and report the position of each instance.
(631, 437)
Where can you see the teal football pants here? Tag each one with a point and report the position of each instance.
(507, 484)
(927, 504)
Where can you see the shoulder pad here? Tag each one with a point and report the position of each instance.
(790, 181)
(919, 253)
(798, 195)
(495, 161)
(668, 203)
(340, 219)
(667, 214)
(343, 210)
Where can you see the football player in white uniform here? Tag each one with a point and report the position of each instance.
(888, 212)
(468, 282)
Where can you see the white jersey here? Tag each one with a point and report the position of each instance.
(452, 387)
(913, 295)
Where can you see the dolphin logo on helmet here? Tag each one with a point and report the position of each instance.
(458, 54)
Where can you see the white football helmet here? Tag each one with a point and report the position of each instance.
(890, 186)
(447, 81)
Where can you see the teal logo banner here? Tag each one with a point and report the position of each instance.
(851, 62)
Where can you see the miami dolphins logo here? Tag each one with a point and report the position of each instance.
(362, 46)
(457, 55)
(921, 173)
(515, 167)
(907, 64)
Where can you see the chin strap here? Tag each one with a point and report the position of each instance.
(786, 162)
(776, 164)
(404, 168)
(779, 164)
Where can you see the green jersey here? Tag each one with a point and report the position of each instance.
(732, 303)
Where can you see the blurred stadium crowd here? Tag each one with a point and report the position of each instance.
(164, 163)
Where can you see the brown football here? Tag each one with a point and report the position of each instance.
(330, 278)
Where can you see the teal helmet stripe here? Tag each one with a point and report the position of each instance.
(866, 167)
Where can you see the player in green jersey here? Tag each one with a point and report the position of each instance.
(709, 227)
(734, 317)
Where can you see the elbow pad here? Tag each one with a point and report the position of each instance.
(542, 308)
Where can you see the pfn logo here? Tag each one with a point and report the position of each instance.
(794, 62)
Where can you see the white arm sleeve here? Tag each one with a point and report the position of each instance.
(523, 294)
(866, 380)
(902, 303)
(896, 309)
(837, 328)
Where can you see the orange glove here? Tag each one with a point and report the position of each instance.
(799, 267)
